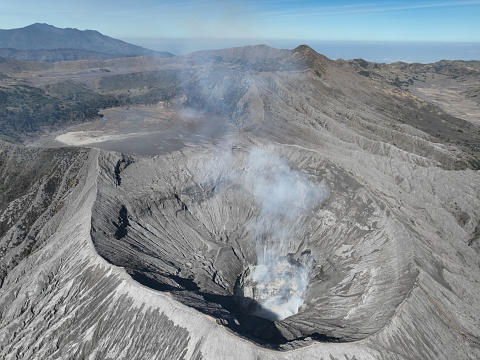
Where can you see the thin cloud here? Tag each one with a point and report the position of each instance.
(363, 8)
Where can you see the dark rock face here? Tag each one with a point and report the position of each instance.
(390, 247)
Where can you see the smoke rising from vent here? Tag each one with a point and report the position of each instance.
(284, 196)
(285, 199)
(278, 286)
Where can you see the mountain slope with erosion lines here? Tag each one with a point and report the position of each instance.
(143, 257)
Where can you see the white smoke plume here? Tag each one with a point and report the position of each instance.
(285, 197)
(280, 286)
(283, 194)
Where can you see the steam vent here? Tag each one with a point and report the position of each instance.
(334, 216)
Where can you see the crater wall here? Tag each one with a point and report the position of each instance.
(193, 235)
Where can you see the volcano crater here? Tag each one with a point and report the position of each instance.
(194, 237)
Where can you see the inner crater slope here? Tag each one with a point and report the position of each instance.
(214, 230)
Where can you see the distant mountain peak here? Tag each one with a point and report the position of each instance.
(304, 49)
(45, 37)
(311, 58)
(43, 26)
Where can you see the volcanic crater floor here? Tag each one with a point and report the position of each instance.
(142, 130)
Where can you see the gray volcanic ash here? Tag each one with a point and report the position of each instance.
(328, 211)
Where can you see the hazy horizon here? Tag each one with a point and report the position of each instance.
(425, 30)
(380, 51)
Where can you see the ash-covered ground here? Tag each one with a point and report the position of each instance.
(327, 219)
(142, 130)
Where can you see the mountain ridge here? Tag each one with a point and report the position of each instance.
(30, 41)
(190, 77)
(449, 84)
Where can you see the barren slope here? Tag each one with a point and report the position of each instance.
(451, 85)
(395, 245)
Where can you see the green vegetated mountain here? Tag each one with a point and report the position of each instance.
(43, 42)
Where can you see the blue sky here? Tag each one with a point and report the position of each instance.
(437, 21)
(440, 20)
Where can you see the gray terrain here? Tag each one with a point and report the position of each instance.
(332, 216)
(452, 85)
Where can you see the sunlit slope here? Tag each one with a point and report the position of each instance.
(394, 246)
